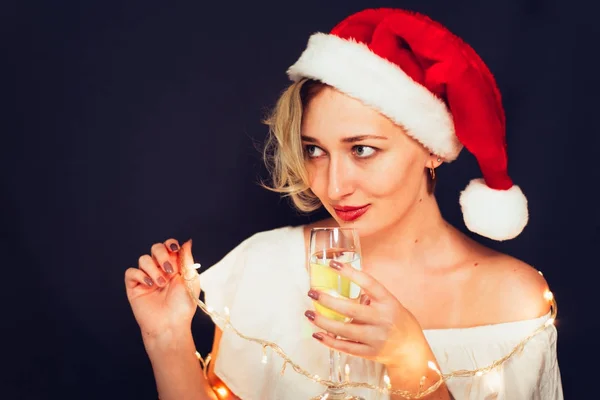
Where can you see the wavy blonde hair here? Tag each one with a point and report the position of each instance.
(283, 152)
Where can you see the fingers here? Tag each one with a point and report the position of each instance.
(186, 261)
(351, 331)
(351, 309)
(166, 259)
(345, 346)
(172, 245)
(369, 284)
(135, 277)
(147, 264)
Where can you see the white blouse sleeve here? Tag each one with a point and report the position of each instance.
(220, 281)
(266, 300)
(532, 373)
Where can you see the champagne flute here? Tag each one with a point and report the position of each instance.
(326, 245)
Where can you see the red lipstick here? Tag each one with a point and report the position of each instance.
(350, 213)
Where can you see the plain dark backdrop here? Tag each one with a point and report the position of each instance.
(133, 122)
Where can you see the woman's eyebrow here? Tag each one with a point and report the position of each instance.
(350, 139)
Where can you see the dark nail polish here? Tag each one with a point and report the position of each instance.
(313, 294)
(168, 267)
(310, 315)
(336, 265)
(148, 281)
(161, 281)
(174, 247)
(318, 336)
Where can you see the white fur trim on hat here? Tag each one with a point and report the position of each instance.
(353, 69)
(496, 214)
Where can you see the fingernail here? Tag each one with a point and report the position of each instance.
(168, 267)
(148, 281)
(310, 315)
(313, 294)
(174, 247)
(161, 281)
(318, 336)
(364, 299)
(336, 265)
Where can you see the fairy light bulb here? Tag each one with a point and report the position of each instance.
(434, 367)
(386, 380)
(264, 356)
(478, 373)
(548, 295)
(347, 372)
(221, 391)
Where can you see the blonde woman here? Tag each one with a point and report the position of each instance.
(375, 107)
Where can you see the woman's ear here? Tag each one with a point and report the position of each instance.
(433, 161)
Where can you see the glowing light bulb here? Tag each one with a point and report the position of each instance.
(434, 367)
(478, 373)
(548, 295)
(221, 391)
(386, 379)
(226, 310)
(264, 356)
(540, 272)
(197, 266)
(347, 372)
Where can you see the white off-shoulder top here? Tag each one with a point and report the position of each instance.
(263, 282)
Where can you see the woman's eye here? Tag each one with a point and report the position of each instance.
(363, 151)
(313, 151)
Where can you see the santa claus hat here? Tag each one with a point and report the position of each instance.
(424, 78)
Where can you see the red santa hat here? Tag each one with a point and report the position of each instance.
(424, 78)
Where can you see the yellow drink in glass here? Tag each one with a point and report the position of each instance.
(326, 279)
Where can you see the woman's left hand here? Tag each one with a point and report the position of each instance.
(381, 330)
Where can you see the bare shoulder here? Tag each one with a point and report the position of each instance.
(515, 289)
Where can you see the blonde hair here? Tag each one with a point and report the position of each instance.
(283, 153)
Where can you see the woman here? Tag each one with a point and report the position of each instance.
(376, 106)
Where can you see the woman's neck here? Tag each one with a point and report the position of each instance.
(421, 239)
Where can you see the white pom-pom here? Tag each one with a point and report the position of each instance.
(496, 214)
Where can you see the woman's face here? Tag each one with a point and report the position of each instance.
(366, 170)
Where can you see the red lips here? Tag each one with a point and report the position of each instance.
(350, 213)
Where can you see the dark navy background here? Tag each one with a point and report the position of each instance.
(133, 122)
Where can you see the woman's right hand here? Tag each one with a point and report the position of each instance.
(157, 291)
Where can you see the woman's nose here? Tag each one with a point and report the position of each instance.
(339, 179)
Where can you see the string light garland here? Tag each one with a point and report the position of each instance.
(287, 361)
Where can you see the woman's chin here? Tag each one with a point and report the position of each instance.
(362, 225)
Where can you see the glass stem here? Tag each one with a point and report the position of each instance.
(335, 372)
(331, 365)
